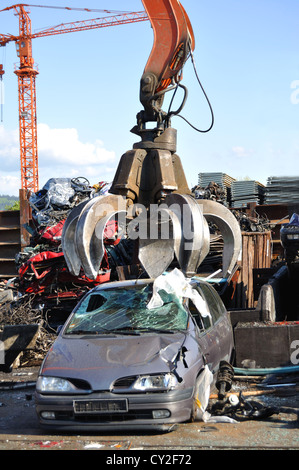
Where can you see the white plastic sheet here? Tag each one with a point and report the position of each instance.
(202, 396)
(175, 283)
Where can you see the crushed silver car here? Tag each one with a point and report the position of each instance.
(131, 356)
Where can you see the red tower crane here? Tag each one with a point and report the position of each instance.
(27, 73)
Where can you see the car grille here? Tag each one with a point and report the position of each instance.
(105, 417)
(125, 382)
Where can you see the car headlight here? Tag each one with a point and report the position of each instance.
(46, 384)
(155, 382)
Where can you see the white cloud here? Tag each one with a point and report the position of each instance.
(63, 146)
(10, 185)
(241, 152)
(60, 154)
(9, 149)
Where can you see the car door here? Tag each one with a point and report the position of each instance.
(207, 339)
(221, 331)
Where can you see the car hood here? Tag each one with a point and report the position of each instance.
(103, 359)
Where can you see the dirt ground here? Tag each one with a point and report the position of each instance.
(19, 427)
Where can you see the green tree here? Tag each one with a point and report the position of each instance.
(13, 207)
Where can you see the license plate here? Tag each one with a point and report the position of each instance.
(100, 406)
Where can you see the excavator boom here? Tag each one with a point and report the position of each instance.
(173, 41)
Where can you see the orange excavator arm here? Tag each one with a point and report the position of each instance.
(173, 41)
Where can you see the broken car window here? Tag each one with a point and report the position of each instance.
(126, 308)
(196, 315)
(212, 302)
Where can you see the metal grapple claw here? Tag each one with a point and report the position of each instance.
(83, 237)
(68, 245)
(230, 231)
(156, 252)
(183, 232)
(193, 241)
(178, 229)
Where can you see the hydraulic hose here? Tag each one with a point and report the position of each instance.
(274, 370)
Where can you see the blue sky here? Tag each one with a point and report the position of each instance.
(247, 57)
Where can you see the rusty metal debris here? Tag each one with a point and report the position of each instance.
(24, 311)
(257, 223)
(240, 408)
(212, 191)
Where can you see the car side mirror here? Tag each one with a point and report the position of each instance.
(59, 329)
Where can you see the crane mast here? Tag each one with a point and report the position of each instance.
(27, 104)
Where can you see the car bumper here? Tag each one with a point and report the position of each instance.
(140, 414)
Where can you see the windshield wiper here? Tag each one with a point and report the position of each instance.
(157, 330)
(89, 332)
(126, 330)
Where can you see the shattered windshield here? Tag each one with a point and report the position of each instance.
(125, 309)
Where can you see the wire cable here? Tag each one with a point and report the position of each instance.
(176, 113)
(77, 9)
(208, 101)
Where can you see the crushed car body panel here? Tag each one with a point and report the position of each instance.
(102, 360)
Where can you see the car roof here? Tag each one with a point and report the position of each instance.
(125, 283)
(132, 282)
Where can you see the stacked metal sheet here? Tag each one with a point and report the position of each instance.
(222, 179)
(282, 189)
(244, 192)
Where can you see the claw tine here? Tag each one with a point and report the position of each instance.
(230, 231)
(194, 240)
(68, 240)
(90, 229)
(157, 252)
(206, 242)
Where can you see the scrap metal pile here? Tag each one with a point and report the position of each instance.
(41, 267)
(24, 311)
(212, 191)
(42, 270)
(219, 184)
(44, 292)
(256, 223)
(289, 237)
